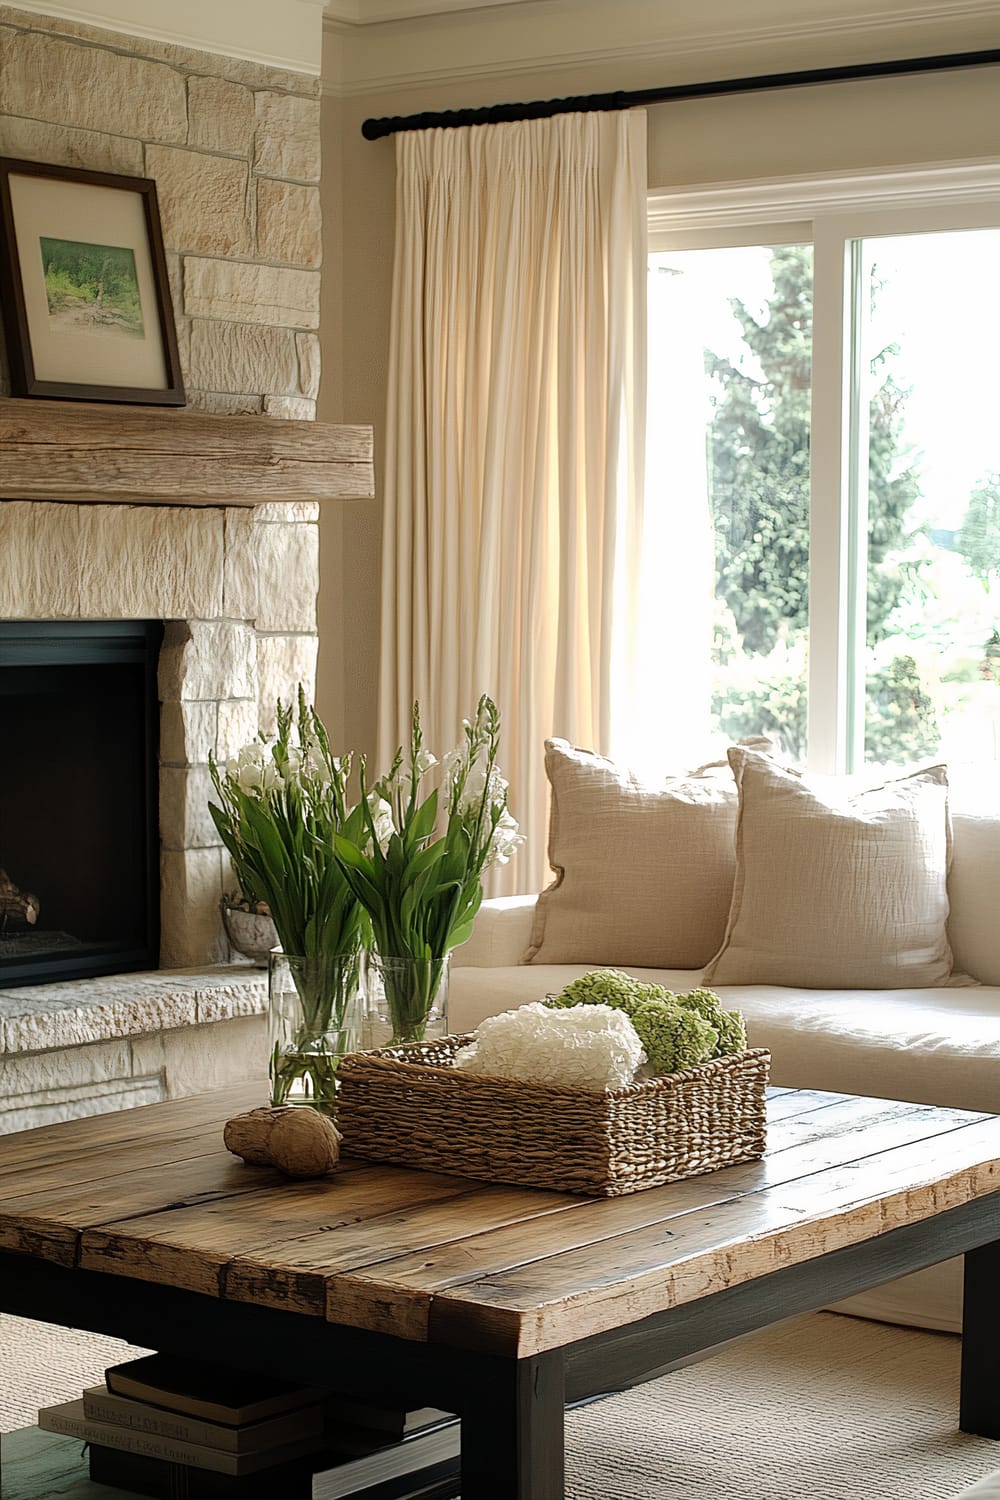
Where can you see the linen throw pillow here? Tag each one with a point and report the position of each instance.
(837, 892)
(643, 873)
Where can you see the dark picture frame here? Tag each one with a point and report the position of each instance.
(84, 290)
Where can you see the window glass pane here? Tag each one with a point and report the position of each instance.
(932, 654)
(730, 335)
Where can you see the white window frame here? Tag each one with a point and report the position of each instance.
(833, 212)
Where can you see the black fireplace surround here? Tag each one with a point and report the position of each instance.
(79, 769)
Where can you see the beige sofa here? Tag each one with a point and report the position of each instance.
(935, 1044)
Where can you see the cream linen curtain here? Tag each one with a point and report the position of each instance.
(514, 440)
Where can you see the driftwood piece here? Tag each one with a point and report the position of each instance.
(18, 909)
(299, 1141)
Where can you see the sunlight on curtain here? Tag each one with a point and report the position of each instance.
(514, 450)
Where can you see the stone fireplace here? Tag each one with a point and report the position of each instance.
(227, 655)
(234, 583)
(204, 519)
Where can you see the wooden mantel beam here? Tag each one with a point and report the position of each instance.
(74, 451)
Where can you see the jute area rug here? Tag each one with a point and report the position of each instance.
(825, 1406)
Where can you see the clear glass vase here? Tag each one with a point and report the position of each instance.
(406, 1000)
(315, 1015)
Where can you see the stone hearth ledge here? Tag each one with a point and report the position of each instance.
(40, 1017)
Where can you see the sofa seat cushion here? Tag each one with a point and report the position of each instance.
(932, 1046)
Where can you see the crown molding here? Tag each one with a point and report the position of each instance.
(788, 200)
(251, 30)
(376, 12)
(418, 42)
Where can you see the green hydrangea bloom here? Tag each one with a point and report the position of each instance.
(677, 1031)
(729, 1024)
(674, 1037)
(606, 987)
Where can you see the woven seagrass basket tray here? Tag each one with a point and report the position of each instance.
(410, 1105)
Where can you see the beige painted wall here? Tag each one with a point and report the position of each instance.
(834, 127)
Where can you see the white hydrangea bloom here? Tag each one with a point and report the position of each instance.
(590, 1047)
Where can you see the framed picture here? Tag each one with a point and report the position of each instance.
(83, 286)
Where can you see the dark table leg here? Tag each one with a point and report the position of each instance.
(512, 1430)
(979, 1411)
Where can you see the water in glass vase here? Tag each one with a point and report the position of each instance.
(406, 1000)
(314, 1017)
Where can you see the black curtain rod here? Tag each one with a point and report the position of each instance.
(542, 109)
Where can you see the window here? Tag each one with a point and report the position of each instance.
(928, 326)
(823, 472)
(740, 319)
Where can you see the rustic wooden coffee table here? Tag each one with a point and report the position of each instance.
(499, 1303)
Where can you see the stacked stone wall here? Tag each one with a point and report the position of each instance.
(233, 148)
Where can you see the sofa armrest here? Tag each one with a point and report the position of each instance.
(501, 934)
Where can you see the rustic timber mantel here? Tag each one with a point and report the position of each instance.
(73, 451)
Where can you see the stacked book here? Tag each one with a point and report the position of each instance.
(188, 1431)
(399, 1455)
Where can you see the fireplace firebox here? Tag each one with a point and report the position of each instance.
(79, 848)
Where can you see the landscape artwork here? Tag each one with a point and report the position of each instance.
(91, 288)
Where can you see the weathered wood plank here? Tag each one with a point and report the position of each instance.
(69, 1138)
(24, 1179)
(548, 1303)
(820, 1128)
(63, 450)
(403, 1289)
(191, 1247)
(799, 1101)
(295, 1276)
(55, 1242)
(26, 1182)
(37, 1217)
